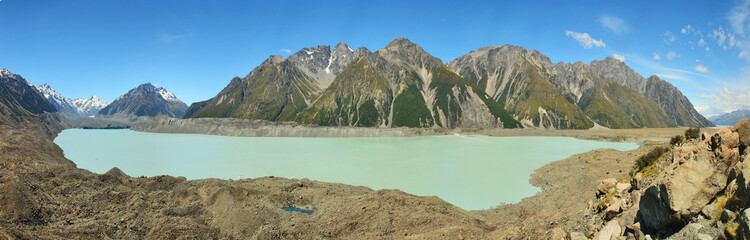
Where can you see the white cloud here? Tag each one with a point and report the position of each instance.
(284, 50)
(657, 56)
(615, 24)
(726, 101)
(697, 60)
(743, 54)
(724, 38)
(585, 40)
(669, 37)
(701, 68)
(738, 16)
(619, 57)
(701, 42)
(708, 49)
(687, 29)
(672, 55)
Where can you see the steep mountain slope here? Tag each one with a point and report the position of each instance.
(279, 88)
(547, 95)
(142, 103)
(18, 97)
(604, 101)
(668, 97)
(72, 108)
(517, 79)
(276, 90)
(729, 119)
(402, 85)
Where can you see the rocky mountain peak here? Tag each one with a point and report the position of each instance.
(340, 47)
(401, 50)
(273, 59)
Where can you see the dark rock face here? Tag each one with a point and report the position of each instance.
(667, 96)
(18, 97)
(145, 101)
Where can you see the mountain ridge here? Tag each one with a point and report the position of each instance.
(403, 85)
(72, 108)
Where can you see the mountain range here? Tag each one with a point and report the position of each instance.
(77, 108)
(729, 119)
(143, 103)
(402, 85)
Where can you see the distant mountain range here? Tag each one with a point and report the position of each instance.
(729, 119)
(77, 108)
(402, 85)
(143, 103)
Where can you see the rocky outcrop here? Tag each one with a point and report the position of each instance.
(698, 173)
(699, 190)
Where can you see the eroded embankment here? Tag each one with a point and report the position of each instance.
(43, 195)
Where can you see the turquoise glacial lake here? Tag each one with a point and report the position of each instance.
(472, 172)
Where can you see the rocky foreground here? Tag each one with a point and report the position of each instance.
(45, 196)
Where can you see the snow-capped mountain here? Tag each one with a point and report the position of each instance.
(72, 108)
(91, 106)
(143, 103)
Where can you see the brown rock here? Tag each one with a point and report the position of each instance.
(606, 186)
(743, 129)
(611, 230)
(622, 187)
(698, 173)
(613, 209)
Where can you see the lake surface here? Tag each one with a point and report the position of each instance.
(472, 172)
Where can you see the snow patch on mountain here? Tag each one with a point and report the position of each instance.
(167, 95)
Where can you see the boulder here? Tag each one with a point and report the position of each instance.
(727, 215)
(699, 171)
(558, 234)
(613, 209)
(622, 187)
(578, 236)
(743, 129)
(610, 230)
(637, 181)
(698, 232)
(744, 221)
(606, 186)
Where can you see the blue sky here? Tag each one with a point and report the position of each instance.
(193, 48)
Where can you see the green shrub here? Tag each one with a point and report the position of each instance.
(692, 133)
(676, 140)
(650, 158)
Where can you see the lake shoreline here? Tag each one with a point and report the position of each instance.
(261, 128)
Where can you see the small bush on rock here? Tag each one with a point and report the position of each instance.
(692, 133)
(650, 158)
(675, 140)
